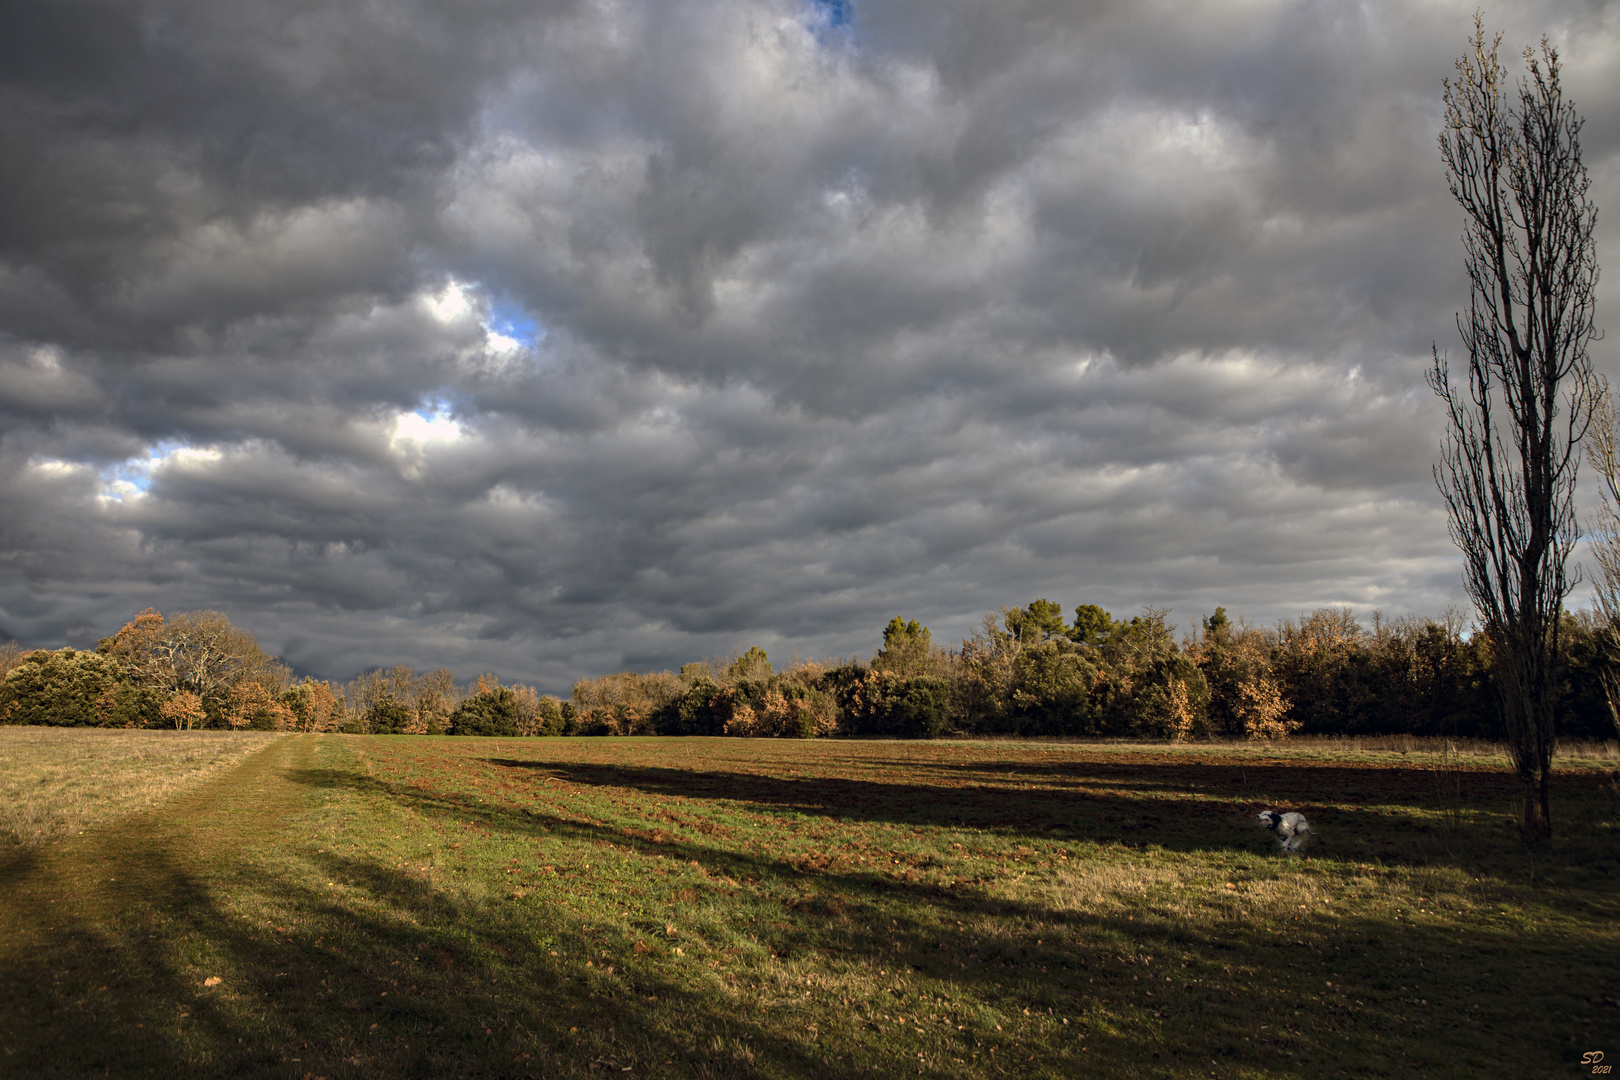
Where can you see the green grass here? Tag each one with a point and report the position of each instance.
(707, 908)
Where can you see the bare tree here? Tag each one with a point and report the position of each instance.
(11, 655)
(435, 697)
(200, 652)
(1603, 451)
(1509, 461)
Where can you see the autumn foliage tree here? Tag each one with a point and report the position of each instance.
(1322, 673)
(201, 655)
(253, 705)
(183, 711)
(313, 705)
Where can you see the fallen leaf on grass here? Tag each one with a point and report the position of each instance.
(212, 980)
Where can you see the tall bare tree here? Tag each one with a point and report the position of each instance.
(1509, 461)
(1603, 451)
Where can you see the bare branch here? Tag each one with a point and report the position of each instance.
(1509, 461)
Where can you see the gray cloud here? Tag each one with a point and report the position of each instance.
(555, 338)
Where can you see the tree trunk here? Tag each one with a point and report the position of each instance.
(1536, 829)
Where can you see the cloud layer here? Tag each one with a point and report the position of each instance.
(554, 338)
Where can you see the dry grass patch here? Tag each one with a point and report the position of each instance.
(56, 782)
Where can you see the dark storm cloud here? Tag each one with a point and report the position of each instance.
(550, 338)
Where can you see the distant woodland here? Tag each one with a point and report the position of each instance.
(1029, 670)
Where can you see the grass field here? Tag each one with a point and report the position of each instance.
(56, 782)
(344, 906)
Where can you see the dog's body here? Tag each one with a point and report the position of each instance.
(1292, 829)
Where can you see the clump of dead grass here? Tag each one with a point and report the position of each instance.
(56, 782)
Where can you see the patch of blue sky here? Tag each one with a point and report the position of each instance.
(833, 13)
(435, 410)
(134, 475)
(433, 421)
(830, 18)
(514, 323)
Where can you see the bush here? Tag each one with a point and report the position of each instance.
(549, 718)
(312, 704)
(69, 688)
(1171, 700)
(882, 703)
(387, 717)
(1054, 691)
(1583, 710)
(492, 711)
(251, 705)
(695, 711)
(774, 707)
(625, 703)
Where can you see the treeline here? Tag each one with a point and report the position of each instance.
(196, 671)
(1027, 671)
(1031, 671)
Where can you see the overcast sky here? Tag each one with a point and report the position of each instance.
(553, 338)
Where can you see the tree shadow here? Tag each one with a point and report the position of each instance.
(1357, 814)
(350, 966)
(381, 974)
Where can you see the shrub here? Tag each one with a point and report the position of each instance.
(183, 711)
(70, 688)
(1170, 700)
(549, 718)
(491, 711)
(1263, 710)
(774, 707)
(1245, 696)
(698, 710)
(1054, 690)
(313, 705)
(882, 703)
(387, 717)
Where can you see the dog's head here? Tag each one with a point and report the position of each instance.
(1270, 818)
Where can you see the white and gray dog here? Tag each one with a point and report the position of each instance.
(1292, 829)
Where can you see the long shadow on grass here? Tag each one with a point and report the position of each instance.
(1304, 782)
(346, 967)
(686, 836)
(1089, 964)
(351, 967)
(1178, 808)
(382, 973)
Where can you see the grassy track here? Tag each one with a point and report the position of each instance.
(707, 908)
(56, 782)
